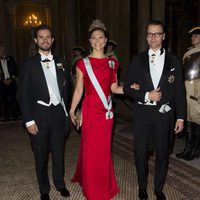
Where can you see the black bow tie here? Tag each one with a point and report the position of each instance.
(46, 60)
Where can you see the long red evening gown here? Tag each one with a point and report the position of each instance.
(95, 171)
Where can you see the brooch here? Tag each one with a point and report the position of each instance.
(111, 64)
(60, 66)
(171, 79)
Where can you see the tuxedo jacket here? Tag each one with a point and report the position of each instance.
(171, 83)
(12, 68)
(32, 85)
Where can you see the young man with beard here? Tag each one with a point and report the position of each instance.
(44, 91)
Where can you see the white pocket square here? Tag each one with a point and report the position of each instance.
(164, 108)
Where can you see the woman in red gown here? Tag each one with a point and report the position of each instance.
(95, 172)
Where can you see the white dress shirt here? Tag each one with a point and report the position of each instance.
(5, 68)
(52, 84)
(156, 64)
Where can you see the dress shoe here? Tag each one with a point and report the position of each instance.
(64, 192)
(143, 194)
(197, 154)
(188, 156)
(179, 155)
(160, 196)
(45, 197)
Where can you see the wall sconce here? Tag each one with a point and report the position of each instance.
(32, 21)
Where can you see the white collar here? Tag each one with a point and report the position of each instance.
(156, 53)
(48, 57)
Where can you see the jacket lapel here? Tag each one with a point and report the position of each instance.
(59, 74)
(166, 69)
(147, 68)
(40, 74)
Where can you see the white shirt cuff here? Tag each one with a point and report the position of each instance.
(146, 98)
(29, 123)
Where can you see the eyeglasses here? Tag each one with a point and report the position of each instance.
(156, 35)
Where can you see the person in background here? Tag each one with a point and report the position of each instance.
(8, 86)
(77, 53)
(44, 93)
(111, 45)
(191, 67)
(110, 49)
(160, 96)
(32, 49)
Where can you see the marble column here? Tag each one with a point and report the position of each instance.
(99, 9)
(3, 22)
(143, 16)
(68, 29)
(158, 10)
(11, 36)
(199, 12)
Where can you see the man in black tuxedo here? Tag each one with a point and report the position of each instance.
(8, 86)
(159, 99)
(44, 92)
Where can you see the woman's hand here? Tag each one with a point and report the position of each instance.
(72, 116)
(76, 118)
(135, 86)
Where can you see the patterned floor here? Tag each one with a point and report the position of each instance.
(17, 175)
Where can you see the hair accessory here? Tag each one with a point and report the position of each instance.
(112, 42)
(195, 30)
(97, 24)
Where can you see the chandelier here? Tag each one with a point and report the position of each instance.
(32, 20)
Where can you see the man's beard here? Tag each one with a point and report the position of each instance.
(48, 48)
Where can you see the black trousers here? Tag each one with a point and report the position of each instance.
(53, 126)
(150, 124)
(193, 138)
(8, 96)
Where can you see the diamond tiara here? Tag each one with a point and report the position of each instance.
(97, 24)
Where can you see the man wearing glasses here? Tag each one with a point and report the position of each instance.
(158, 109)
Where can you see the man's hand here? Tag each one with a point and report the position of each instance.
(33, 129)
(179, 126)
(155, 95)
(7, 81)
